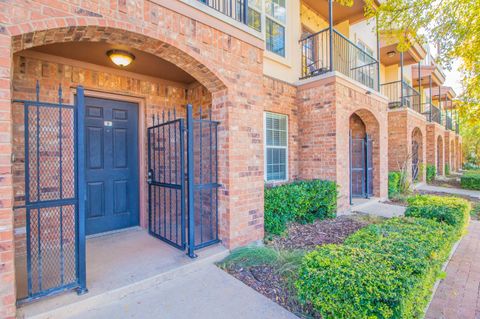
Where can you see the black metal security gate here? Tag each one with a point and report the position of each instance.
(183, 179)
(361, 167)
(415, 147)
(55, 232)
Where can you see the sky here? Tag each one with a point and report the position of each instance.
(453, 78)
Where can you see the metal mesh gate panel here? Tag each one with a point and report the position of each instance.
(52, 220)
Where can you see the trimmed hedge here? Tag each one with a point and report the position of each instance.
(385, 270)
(302, 201)
(431, 172)
(382, 271)
(450, 210)
(470, 181)
(447, 169)
(393, 183)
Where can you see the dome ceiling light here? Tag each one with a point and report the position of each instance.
(120, 57)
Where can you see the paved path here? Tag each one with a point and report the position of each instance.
(457, 296)
(380, 209)
(449, 190)
(207, 293)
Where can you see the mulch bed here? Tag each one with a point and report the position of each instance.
(321, 232)
(267, 281)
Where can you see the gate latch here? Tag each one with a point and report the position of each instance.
(150, 176)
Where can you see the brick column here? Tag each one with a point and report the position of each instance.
(7, 274)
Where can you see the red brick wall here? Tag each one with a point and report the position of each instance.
(280, 97)
(403, 126)
(434, 131)
(325, 107)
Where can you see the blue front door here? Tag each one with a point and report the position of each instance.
(112, 187)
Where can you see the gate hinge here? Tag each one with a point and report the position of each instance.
(150, 176)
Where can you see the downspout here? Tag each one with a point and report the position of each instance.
(378, 54)
(430, 89)
(401, 78)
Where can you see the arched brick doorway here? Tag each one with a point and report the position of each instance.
(37, 60)
(417, 153)
(452, 156)
(364, 154)
(440, 156)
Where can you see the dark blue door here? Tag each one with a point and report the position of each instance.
(111, 137)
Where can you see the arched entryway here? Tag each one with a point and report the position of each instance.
(364, 155)
(417, 153)
(440, 158)
(452, 156)
(53, 67)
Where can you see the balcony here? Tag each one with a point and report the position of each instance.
(432, 113)
(235, 9)
(401, 94)
(327, 51)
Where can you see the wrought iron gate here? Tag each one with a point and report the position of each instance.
(415, 147)
(55, 232)
(183, 179)
(361, 167)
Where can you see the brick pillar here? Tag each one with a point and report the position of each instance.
(431, 145)
(7, 274)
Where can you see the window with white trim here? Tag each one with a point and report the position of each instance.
(275, 24)
(276, 147)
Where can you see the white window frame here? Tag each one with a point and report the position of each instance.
(265, 148)
(265, 16)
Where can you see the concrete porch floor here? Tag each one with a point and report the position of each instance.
(119, 264)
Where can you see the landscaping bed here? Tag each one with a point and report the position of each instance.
(272, 270)
(393, 263)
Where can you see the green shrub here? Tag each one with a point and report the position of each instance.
(382, 271)
(393, 183)
(470, 180)
(421, 170)
(302, 201)
(431, 172)
(447, 169)
(450, 210)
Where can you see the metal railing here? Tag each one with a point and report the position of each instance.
(235, 9)
(347, 58)
(401, 94)
(432, 113)
(448, 122)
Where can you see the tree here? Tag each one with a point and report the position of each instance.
(453, 25)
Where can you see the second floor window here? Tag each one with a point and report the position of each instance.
(275, 21)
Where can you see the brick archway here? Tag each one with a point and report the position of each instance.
(417, 152)
(363, 122)
(201, 71)
(440, 156)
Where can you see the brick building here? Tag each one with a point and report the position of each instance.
(295, 92)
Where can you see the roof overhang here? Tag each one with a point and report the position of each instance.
(438, 78)
(446, 94)
(353, 14)
(390, 55)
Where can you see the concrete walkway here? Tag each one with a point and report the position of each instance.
(375, 208)
(449, 190)
(207, 293)
(458, 294)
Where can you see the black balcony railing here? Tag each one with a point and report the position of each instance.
(432, 113)
(401, 94)
(449, 123)
(347, 58)
(235, 9)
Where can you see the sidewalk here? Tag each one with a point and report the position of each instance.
(449, 190)
(458, 294)
(207, 293)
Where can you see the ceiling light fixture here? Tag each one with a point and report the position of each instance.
(120, 57)
(391, 54)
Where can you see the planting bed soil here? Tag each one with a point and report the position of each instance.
(278, 286)
(321, 232)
